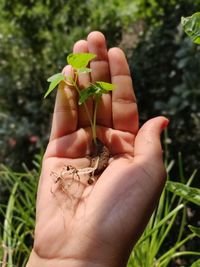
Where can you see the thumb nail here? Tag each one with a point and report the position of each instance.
(165, 124)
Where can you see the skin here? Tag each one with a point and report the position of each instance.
(98, 225)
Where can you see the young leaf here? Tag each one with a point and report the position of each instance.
(195, 230)
(55, 77)
(80, 60)
(86, 93)
(54, 81)
(96, 89)
(196, 263)
(191, 26)
(105, 86)
(189, 193)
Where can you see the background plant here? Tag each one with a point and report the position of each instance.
(191, 26)
(166, 66)
(18, 214)
(151, 248)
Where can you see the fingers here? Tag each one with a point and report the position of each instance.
(83, 82)
(118, 111)
(124, 107)
(65, 110)
(100, 72)
(148, 148)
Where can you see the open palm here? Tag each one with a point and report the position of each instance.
(98, 224)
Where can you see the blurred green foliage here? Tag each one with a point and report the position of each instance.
(36, 37)
(191, 26)
(166, 69)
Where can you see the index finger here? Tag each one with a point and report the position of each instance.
(65, 111)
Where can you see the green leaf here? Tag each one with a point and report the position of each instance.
(96, 89)
(55, 77)
(80, 60)
(84, 70)
(86, 93)
(105, 86)
(54, 81)
(195, 230)
(196, 263)
(189, 193)
(191, 26)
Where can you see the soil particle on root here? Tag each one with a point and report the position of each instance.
(99, 158)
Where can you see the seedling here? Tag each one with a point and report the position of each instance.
(79, 63)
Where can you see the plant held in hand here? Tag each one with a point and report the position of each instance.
(79, 63)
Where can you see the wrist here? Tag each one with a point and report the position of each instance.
(37, 261)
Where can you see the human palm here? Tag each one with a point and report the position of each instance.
(98, 223)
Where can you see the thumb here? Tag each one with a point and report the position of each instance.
(147, 143)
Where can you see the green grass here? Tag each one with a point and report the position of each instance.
(161, 243)
(163, 240)
(167, 232)
(18, 214)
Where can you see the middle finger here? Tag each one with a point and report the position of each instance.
(100, 72)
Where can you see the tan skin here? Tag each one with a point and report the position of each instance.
(102, 224)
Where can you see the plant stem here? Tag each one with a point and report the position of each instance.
(93, 126)
(85, 106)
(95, 120)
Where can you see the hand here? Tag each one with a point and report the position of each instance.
(97, 225)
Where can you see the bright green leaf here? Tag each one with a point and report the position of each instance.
(86, 93)
(189, 193)
(96, 89)
(56, 77)
(105, 86)
(84, 70)
(102, 88)
(191, 26)
(80, 60)
(196, 263)
(195, 230)
(54, 81)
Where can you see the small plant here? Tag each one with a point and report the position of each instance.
(79, 63)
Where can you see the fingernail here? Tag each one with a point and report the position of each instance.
(67, 70)
(68, 73)
(165, 123)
